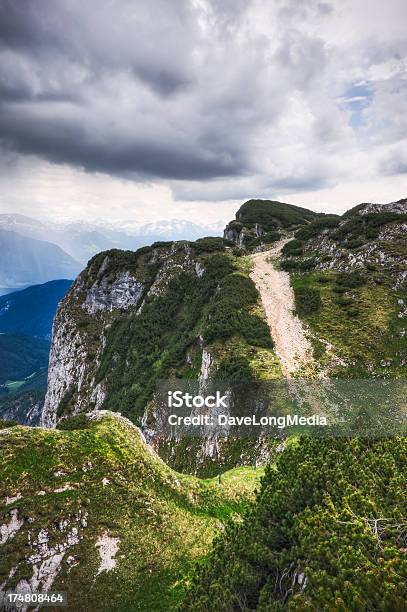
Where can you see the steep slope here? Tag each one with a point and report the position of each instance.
(25, 405)
(350, 286)
(183, 310)
(191, 311)
(25, 261)
(40, 301)
(327, 532)
(21, 356)
(94, 512)
(23, 377)
(328, 528)
(292, 346)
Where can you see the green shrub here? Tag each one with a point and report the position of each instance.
(307, 300)
(304, 265)
(315, 517)
(371, 267)
(344, 301)
(358, 227)
(270, 237)
(323, 279)
(230, 314)
(271, 215)
(316, 226)
(161, 243)
(372, 233)
(217, 266)
(349, 279)
(293, 248)
(234, 369)
(79, 421)
(210, 244)
(355, 243)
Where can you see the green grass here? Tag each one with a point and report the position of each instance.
(166, 521)
(359, 319)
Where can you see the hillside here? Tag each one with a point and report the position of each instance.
(23, 377)
(94, 512)
(188, 310)
(261, 221)
(26, 261)
(20, 357)
(40, 301)
(349, 279)
(25, 404)
(327, 532)
(192, 311)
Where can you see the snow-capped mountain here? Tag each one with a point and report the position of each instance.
(83, 240)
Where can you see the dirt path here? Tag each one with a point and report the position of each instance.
(277, 296)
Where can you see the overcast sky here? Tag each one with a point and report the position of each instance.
(136, 110)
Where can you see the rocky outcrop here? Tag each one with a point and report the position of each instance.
(113, 284)
(399, 207)
(125, 291)
(363, 241)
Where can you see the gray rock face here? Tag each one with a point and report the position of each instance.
(84, 317)
(125, 291)
(399, 207)
(17, 410)
(67, 366)
(239, 236)
(231, 234)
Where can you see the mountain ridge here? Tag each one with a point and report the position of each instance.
(124, 295)
(88, 483)
(40, 301)
(28, 261)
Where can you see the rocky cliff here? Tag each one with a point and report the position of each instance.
(190, 311)
(115, 283)
(174, 310)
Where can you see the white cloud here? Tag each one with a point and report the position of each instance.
(166, 109)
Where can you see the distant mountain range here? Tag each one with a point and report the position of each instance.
(83, 240)
(32, 310)
(27, 261)
(25, 329)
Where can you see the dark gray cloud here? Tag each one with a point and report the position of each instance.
(198, 90)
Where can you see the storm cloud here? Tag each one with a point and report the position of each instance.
(212, 97)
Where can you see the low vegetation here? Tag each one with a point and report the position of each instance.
(316, 539)
(358, 318)
(103, 479)
(271, 215)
